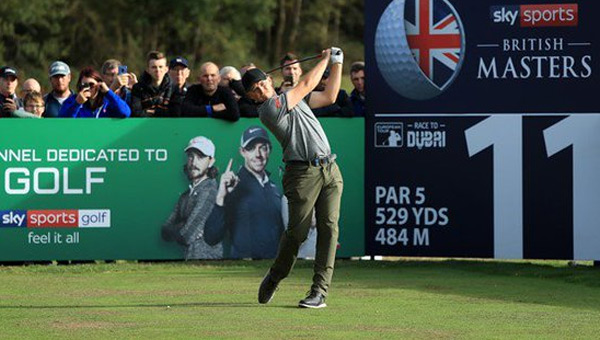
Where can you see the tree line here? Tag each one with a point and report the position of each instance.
(229, 32)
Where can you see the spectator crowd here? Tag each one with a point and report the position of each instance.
(162, 90)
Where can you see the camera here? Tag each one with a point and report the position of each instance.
(122, 69)
(86, 86)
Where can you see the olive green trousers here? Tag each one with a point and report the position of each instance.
(310, 187)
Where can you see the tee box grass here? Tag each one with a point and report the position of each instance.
(404, 299)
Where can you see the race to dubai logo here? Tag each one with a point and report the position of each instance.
(419, 47)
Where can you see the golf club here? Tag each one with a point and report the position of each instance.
(295, 62)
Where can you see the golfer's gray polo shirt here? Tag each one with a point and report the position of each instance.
(298, 130)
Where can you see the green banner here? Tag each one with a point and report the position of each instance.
(101, 189)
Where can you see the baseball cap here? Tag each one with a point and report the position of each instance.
(253, 133)
(59, 68)
(251, 77)
(178, 61)
(7, 71)
(203, 145)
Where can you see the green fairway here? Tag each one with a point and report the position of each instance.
(406, 299)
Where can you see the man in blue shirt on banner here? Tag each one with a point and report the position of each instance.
(247, 212)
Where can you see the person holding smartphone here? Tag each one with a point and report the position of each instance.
(120, 81)
(290, 72)
(94, 100)
(9, 102)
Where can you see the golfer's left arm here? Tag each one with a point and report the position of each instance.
(329, 95)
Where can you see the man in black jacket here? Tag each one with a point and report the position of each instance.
(342, 106)
(358, 96)
(9, 102)
(179, 71)
(150, 97)
(208, 99)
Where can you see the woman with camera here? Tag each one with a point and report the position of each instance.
(94, 100)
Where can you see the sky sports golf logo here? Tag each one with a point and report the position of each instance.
(82, 218)
(555, 15)
(419, 47)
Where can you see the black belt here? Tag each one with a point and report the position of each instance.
(321, 161)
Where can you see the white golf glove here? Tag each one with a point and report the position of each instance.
(337, 56)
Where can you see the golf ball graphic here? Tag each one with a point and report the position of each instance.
(419, 47)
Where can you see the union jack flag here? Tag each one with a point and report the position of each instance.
(434, 37)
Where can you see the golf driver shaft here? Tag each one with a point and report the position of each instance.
(295, 62)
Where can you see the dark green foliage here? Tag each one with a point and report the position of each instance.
(230, 32)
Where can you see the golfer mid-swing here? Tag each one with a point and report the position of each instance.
(312, 179)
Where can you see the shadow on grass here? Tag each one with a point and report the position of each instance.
(549, 283)
(552, 283)
(138, 305)
(547, 270)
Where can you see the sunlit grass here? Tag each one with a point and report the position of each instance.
(414, 299)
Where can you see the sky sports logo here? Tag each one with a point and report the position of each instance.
(555, 15)
(83, 218)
